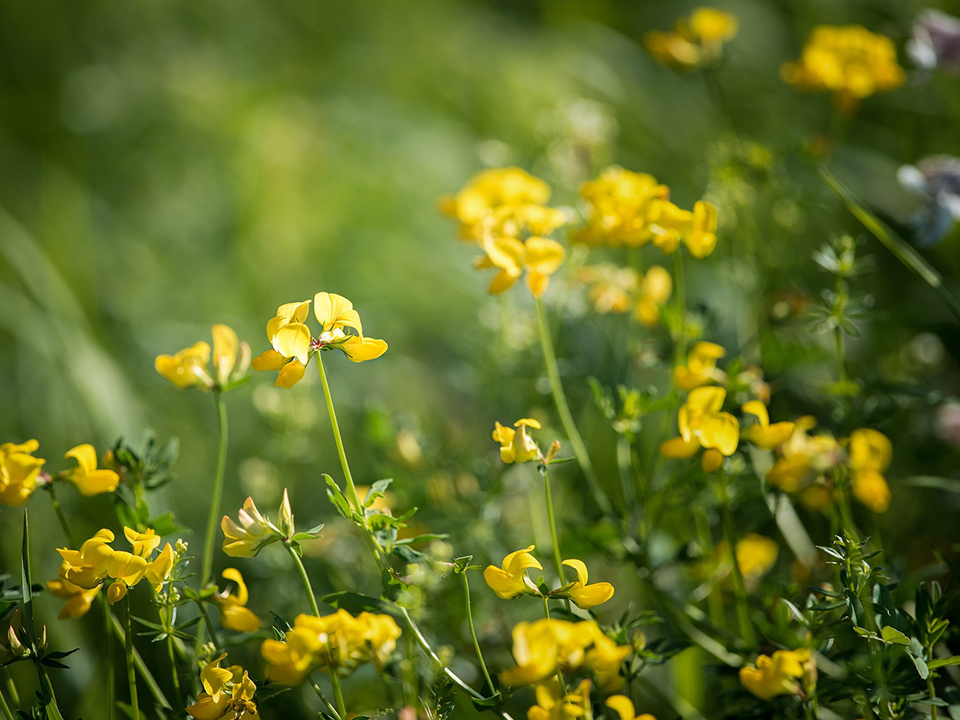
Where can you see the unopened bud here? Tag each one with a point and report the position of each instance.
(285, 516)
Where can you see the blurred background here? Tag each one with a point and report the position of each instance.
(167, 166)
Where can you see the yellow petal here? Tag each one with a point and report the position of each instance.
(588, 596)
(116, 592)
(580, 568)
(679, 449)
(720, 431)
(225, 347)
(293, 341)
(504, 584)
(542, 255)
(359, 349)
(85, 455)
(233, 574)
(332, 310)
(622, 705)
(871, 489)
(159, 570)
(291, 374)
(269, 360)
(96, 483)
(238, 618)
(519, 560)
(757, 408)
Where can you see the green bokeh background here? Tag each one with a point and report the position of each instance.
(166, 166)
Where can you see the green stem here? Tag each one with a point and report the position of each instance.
(473, 632)
(131, 671)
(680, 293)
(208, 625)
(213, 517)
(846, 513)
(304, 579)
(61, 518)
(560, 681)
(557, 558)
(747, 632)
(108, 620)
(11, 687)
(174, 675)
(7, 712)
(563, 410)
(841, 365)
(714, 599)
(323, 699)
(338, 693)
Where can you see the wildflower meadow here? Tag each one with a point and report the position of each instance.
(559, 361)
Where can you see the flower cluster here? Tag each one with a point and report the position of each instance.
(851, 62)
(18, 472)
(614, 289)
(788, 672)
(227, 693)
(695, 41)
(628, 209)
(191, 368)
(336, 643)
(85, 570)
(293, 344)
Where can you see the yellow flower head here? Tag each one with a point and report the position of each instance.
(583, 595)
(623, 707)
(540, 257)
(763, 434)
(293, 343)
(227, 694)
(851, 62)
(704, 425)
(510, 579)
(701, 368)
(77, 599)
(250, 534)
(491, 189)
(234, 614)
(551, 706)
(86, 477)
(695, 41)
(619, 208)
(190, 367)
(788, 672)
(804, 459)
(870, 455)
(18, 472)
(756, 556)
(515, 445)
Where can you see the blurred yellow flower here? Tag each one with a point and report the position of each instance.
(587, 596)
(77, 599)
(510, 579)
(870, 455)
(762, 433)
(227, 694)
(701, 368)
(250, 534)
(788, 672)
(18, 472)
(551, 706)
(695, 41)
(540, 257)
(488, 190)
(805, 460)
(619, 205)
(851, 62)
(614, 289)
(189, 367)
(86, 477)
(653, 293)
(756, 556)
(337, 642)
(703, 425)
(234, 614)
(515, 445)
(623, 707)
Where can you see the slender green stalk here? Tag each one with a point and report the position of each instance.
(7, 712)
(303, 578)
(323, 698)
(213, 518)
(846, 513)
(338, 693)
(747, 633)
(714, 599)
(208, 625)
(900, 248)
(933, 696)
(680, 294)
(61, 518)
(563, 410)
(11, 687)
(351, 487)
(111, 671)
(473, 631)
(841, 363)
(560, 681)
(131, 671)
(174, 675)
(557, 557)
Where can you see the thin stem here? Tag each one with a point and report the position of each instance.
(323, 699)
(108, 620)
(7, 712)
(208, 624)
(841, 365)
(557, 558)
(563, 685)
(563, 410)
(747, 632)
(338, 693)
(174, 675)
(61, 518)
(714, 600)
(131, 671)
(680, 293)
(351, 488)
(303, 579)
(473, 632)
(214, 516)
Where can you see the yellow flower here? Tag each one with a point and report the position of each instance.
(338, 642)
(540, 257)
(870, 455)
(611, 288)
(763, 434)
(851, 62)
(227, 694)
(703, 425)
(804, 461)
(88, 479)
(695, 41)
(234, 615)
(654, 291)
(551, 706)
(515, 445)
(253, 533)
(620, 204)
(702, 237)
(488, 190)
(587, 596)
(77, 599)
(18, 472)
(788, 672)
(701, 367)
(144, 543)
(158, 571)
(756, 556)
(189, 367)
(623, 707)
(510, 579)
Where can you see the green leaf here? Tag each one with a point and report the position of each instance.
(353, 602)
(337, 498)
(894, 637)
(944, 662)
(932, 481)
(166, 525)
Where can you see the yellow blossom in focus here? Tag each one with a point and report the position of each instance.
(227, 694)
(250, 534)
(763, 434)
(851, 62)
(515, 445)
(86, 477)
(491, 189)
(695, 41)
(189, 367)
(701, 368)
(788, 672)
(703, 425)
(551, 706)
(234, 614)
(870, 455)
(623, 707)
(510, 579)
(77, 599)
(18, 472)
(583, 595)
